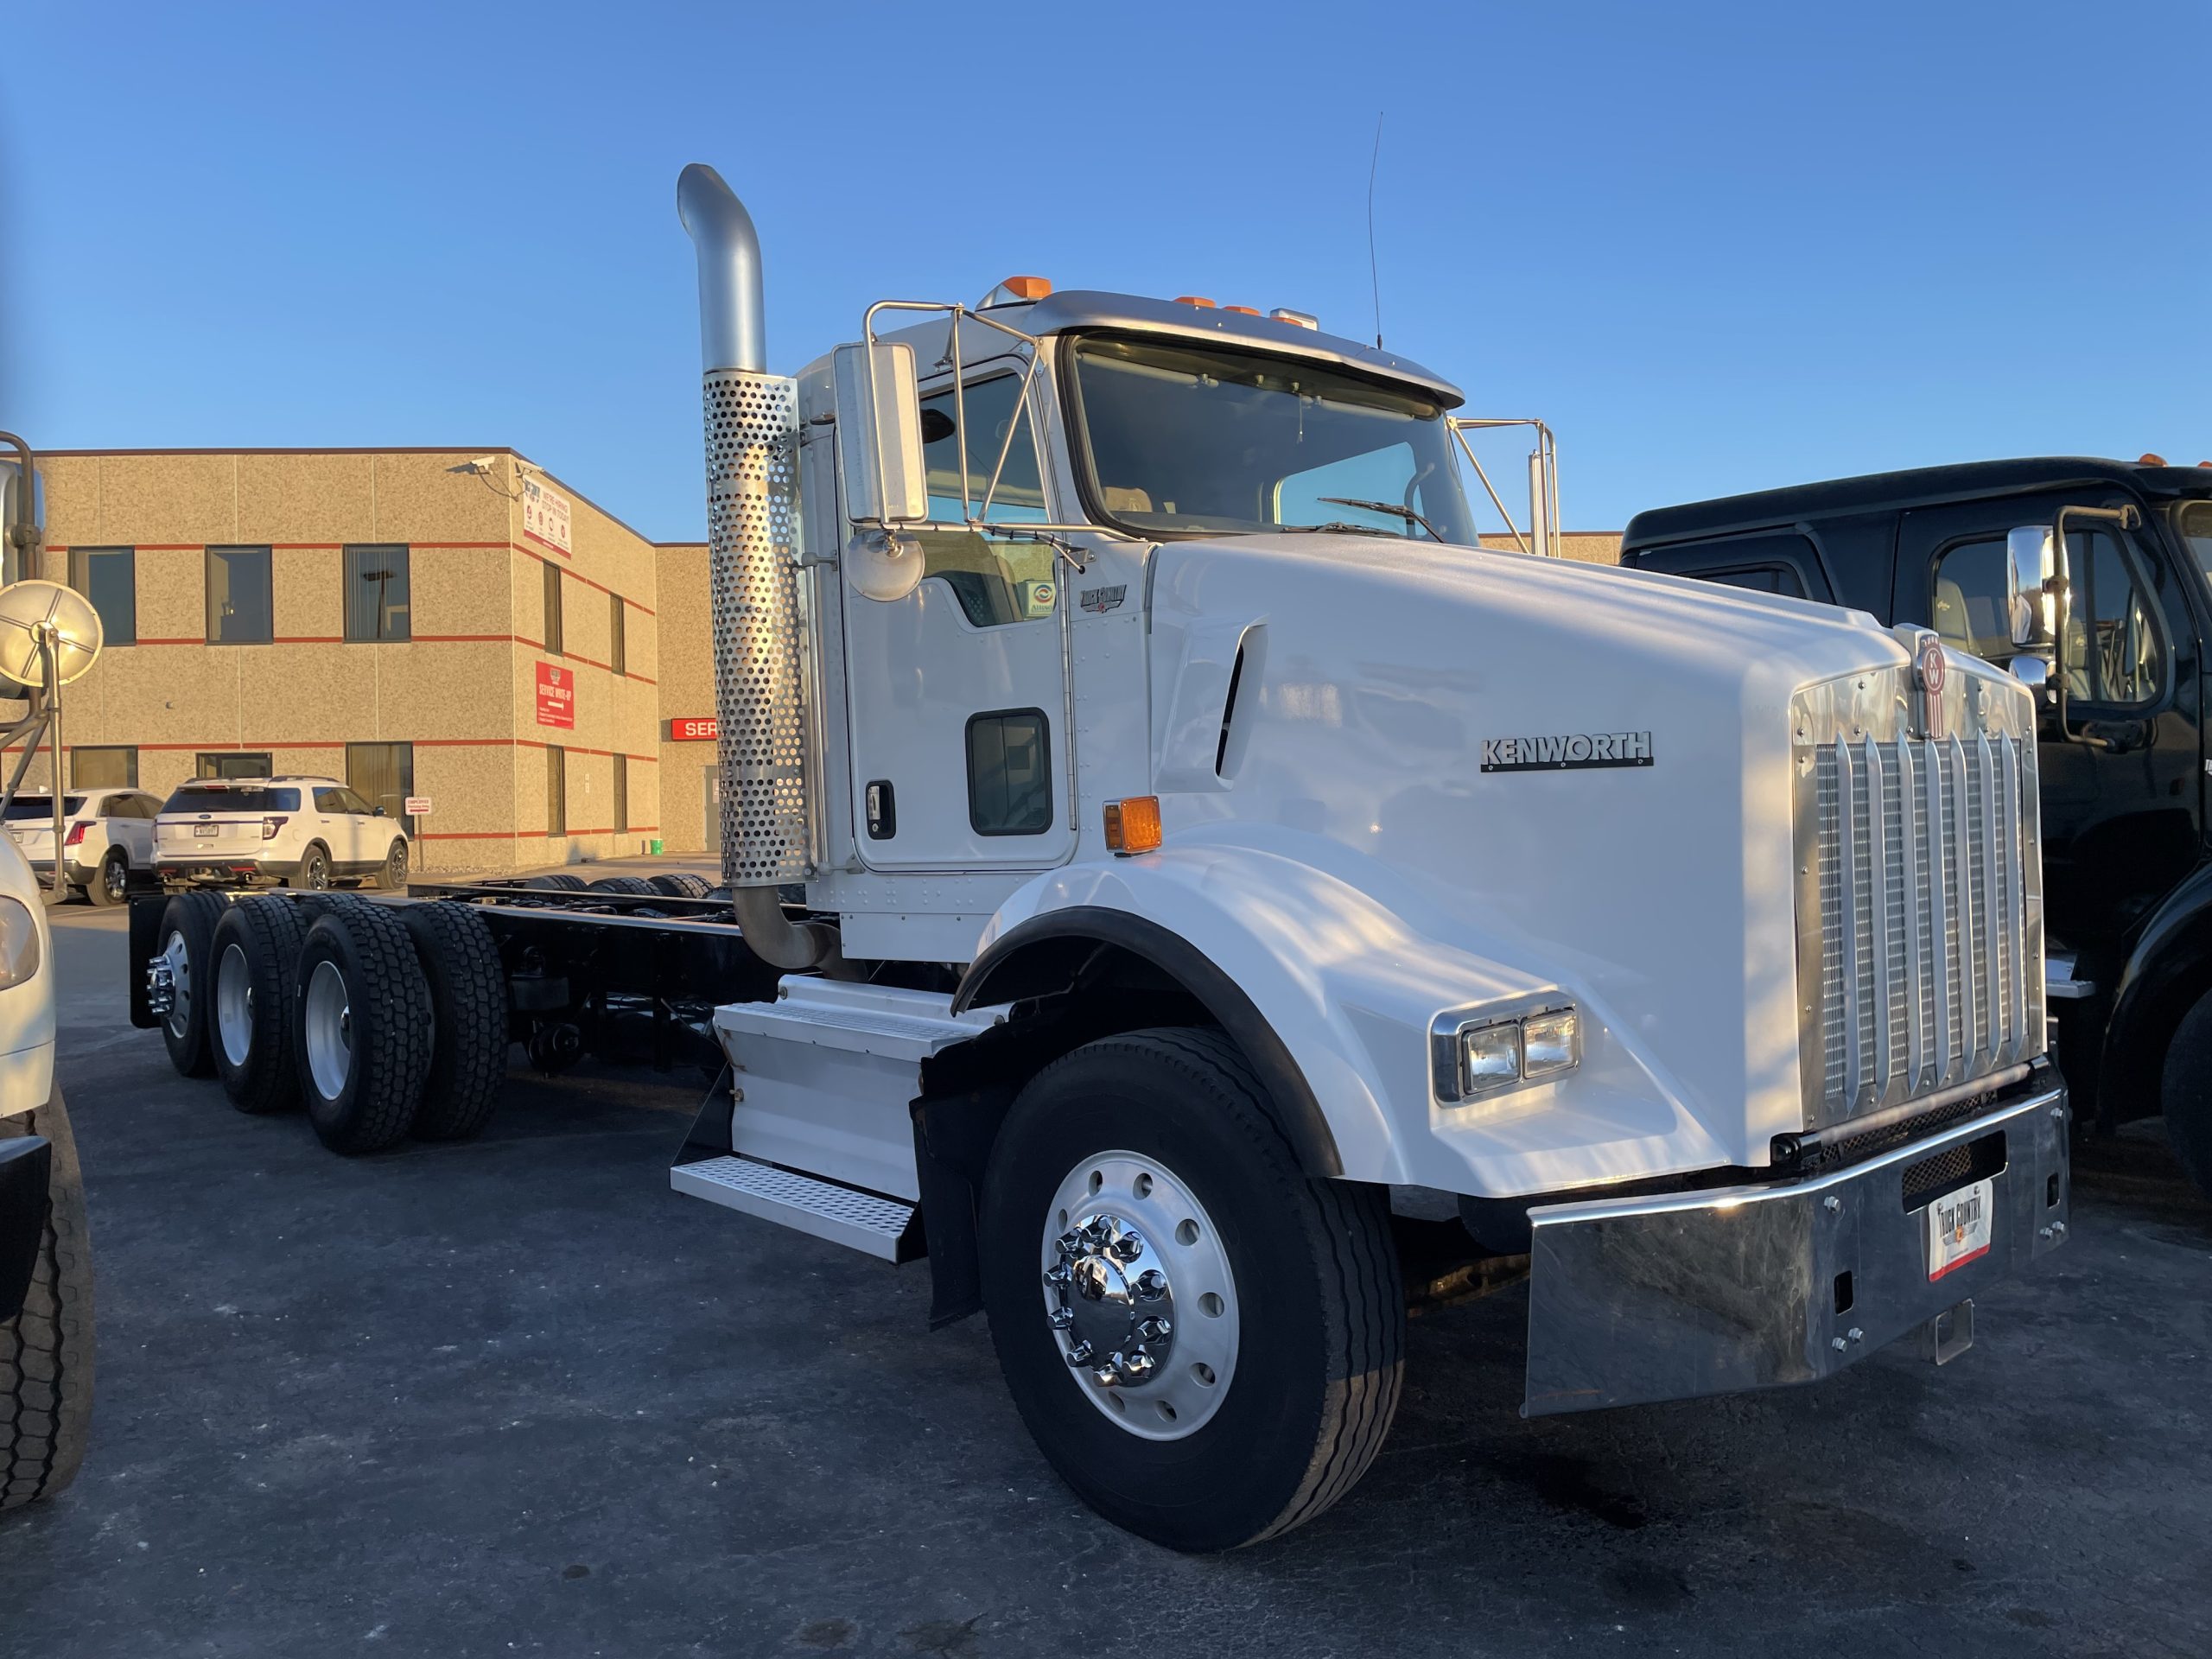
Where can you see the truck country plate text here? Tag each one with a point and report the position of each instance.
(1566, 753)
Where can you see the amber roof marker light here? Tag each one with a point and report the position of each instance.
(1018, 290)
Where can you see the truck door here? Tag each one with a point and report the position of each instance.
(955, 695)
(2119, 816)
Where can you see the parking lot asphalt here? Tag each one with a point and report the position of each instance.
(516, 1397)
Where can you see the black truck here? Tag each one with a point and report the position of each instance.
(2088, 579)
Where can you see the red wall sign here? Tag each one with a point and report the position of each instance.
(556, 696)
(704, 729)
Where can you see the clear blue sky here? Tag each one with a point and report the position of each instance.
(1719, 247)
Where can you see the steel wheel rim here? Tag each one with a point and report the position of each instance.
(179, 962)
(327, 1024)
(1101, 1200)
(234, 1006)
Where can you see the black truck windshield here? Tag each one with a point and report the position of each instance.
(1189, 439)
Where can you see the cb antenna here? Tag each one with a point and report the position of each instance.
(1374, 274)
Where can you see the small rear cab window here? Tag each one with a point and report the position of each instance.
(251, 798)
(41, 806)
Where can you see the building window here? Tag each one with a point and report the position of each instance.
(109, 768)
(376, 594)
(621, 794)
(383, 774)
(1009, 766)
(557, 789)
(109, 577)
(239, 610)
(618, 647)
(553, 610)
(231, 763)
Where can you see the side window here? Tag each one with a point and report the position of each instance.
(2113, 651)
(1761, 579)
(996, 581)
(1010, 772)
(1968, 605)
(349, 802)
(329, 800)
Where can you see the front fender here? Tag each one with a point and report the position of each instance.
(2169, 966)
(1349, 984)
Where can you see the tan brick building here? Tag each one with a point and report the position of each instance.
(433, 623)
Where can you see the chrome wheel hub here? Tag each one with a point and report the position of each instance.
(168, 985)
(1139, 1295)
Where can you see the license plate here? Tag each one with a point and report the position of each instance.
(206, 829)
(1958, 1227)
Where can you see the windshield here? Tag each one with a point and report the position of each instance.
(1185, 438)
(41, 806)
(199, 798)
(2195, 518)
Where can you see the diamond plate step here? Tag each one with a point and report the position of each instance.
(881, 1227)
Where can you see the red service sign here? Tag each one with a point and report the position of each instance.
(697, 729)
(556, 695)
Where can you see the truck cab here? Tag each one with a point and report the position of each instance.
(2119, 693)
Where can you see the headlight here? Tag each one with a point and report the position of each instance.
(18, 943)
(1474, 1056)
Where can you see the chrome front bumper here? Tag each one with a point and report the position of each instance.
(1639, 1300)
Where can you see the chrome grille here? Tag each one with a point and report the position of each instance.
(1930, 964)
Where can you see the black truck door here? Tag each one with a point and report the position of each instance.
(2121, 817)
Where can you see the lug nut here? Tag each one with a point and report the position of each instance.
(1152, 1329)
(1838, 1344)
(1080, 1354)
(1152, 1285)
(1833, 1204)
(1129, 1246)
(1061, 1317)
(1137, 1368)
(1058, 1277)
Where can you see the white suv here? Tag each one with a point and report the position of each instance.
(105, 834)
(298, 832)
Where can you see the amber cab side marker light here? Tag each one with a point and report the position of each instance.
(1133, 824)
(1295, 319)
(1246, 310)
(2150, 460)
(1193, 299)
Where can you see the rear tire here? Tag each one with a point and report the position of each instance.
(468, 1004)
(681, 884)
(1306, 1321)
(252, 1018)
(559, 882)
(46, 1350)
(363, 1037)
(394, 877)
(188, 931)
(314, 873)
(631, 884)
(2185, 1094)
(111, 883)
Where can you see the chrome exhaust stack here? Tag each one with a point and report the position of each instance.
(752, 427)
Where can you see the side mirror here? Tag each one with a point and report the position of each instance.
(2029, 562)
(377, 810)
(879, 436)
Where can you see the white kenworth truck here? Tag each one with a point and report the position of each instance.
(1201, 900)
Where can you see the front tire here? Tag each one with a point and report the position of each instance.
(394, 878)
(46, 1350)
(2185, 1094)
(1303, 1334)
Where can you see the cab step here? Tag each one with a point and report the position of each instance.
(868, 1222)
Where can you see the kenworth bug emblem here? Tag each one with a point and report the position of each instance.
(1929, 672)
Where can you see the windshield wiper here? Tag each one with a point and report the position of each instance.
(1391, 508)
(1337, 526)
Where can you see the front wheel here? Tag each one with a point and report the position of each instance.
(315, 871)
(1205, 1341)
(394, 879)
(46, 1350)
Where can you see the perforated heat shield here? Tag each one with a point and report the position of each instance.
(752, 476)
